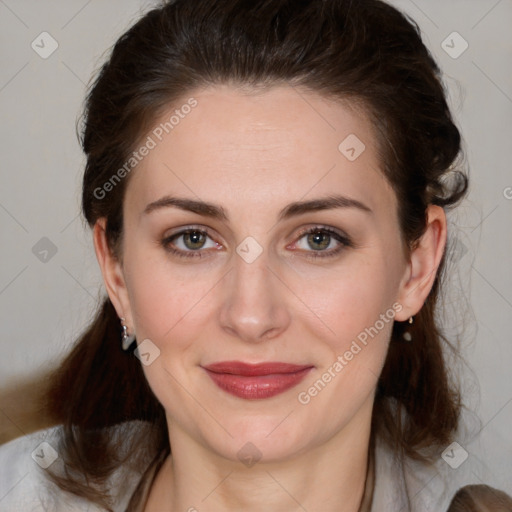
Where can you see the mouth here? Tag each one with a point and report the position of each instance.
(256, 381)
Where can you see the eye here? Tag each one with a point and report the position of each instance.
(322, 241)
(189, 243)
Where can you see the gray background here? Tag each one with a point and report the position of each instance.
(46, 299)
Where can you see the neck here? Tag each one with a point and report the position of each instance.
(327, 478)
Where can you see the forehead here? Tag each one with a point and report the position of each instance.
(281, 143)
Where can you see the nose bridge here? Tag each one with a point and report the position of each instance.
(253, 308)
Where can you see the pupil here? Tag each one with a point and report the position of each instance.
(195, 238)
(319, 238)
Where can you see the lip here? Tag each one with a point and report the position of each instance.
(256, 381)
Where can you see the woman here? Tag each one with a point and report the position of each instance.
(267, 183)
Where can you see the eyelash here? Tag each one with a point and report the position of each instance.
(341, 238)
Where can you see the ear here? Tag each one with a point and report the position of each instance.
(112, 271)
(423, 264)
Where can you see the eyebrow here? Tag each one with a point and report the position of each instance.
(293, 209)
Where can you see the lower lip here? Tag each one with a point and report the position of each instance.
(257, 387)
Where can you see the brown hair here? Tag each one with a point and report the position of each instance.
(367, 52)
(480, 498)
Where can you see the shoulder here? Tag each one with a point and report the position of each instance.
(25, 485)
(407, 485)
(441, 486)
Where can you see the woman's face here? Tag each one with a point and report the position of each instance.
(247, 176)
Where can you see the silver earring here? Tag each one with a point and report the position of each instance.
(407, 335)
(126, 339)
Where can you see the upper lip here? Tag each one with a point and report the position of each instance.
(250, 370)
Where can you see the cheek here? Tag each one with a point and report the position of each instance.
(357, 307)
(167, 300)
(349, 299)
(359, 312)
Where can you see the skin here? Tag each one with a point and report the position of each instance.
(253, 154)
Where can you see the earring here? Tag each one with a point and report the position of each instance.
(126, 339)
(407, 335)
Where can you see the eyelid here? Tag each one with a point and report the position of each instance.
(342, 238)
(322, 227)
(166, 242)
(188, 227)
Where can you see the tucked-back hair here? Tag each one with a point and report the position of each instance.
(480, 498)
(366, 52)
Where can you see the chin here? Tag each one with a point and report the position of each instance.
(275, 437)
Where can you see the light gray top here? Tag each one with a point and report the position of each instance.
(407, 487)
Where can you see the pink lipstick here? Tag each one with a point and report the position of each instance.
(256, 381)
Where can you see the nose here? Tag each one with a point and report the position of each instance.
(254, 308)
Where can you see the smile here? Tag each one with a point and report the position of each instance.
(256, 381)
